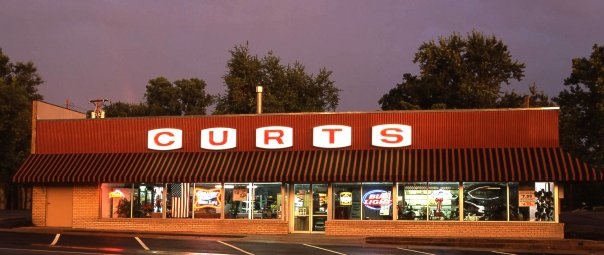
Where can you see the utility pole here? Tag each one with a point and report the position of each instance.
(98, 112)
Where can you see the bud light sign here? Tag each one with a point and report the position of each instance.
(376, 199)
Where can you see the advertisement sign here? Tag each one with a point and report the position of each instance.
(345, 198)
(526, 198)
(239, 194)
(376, 199)
(207, 198)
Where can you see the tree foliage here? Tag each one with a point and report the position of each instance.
(456, 72)
(582, 109)
(18, 87)
(286, 88)
(165, 98)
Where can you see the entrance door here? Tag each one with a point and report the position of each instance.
(310, 207)
(59, 206)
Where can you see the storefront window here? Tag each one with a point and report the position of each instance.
(207, 200)
(485, 201)
(412, 201)
(116, 200)
(443, 201)
(377, 201)
(253, 201)
(347, 201)
(178, 201)
(531, 201)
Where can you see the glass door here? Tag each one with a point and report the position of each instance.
(310, 207)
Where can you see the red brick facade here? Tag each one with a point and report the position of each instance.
(86, 215)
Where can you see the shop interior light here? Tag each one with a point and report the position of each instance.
(218, 186)
(229, 186)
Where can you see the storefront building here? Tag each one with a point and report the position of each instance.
(467, 173)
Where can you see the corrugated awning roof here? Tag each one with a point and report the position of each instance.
(406, 165)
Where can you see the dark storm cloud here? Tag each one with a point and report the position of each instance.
(89, 49)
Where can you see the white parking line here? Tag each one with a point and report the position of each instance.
(416, 251)
(141, 243)
(316, 247)
(236, 248)
(56, 240)
(505, 253)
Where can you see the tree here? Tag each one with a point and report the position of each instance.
(535, 98)
(456, 72)
(285, 88)
(164, 98)
(582, 109)
(18, 87)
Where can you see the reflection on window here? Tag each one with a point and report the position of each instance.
(485, 201)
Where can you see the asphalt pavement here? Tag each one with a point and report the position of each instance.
(581, 226)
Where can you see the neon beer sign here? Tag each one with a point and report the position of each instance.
(281, 137)
(376, 199)
(207, 198)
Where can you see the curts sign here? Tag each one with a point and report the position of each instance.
(280, 137)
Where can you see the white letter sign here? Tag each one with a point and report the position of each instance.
(391, 135)
(218, 138)
(332, 136)
(275, 137)
(164, 139)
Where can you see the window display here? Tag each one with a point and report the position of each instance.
(377, 201)
(485, 201)
(252, 201)
(347, 201)
(531, 201)
(207, 201)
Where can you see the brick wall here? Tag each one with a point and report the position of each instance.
(38, 206)
(86, 215)
(531, 230)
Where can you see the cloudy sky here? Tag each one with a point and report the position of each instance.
(110, 49)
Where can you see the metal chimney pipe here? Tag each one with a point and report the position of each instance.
(258, 99)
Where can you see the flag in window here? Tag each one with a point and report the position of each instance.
(180, 200)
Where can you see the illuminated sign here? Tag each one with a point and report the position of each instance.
(391, 135)
(218, 138)
(376, 199)
(274, 137)
(116, 194)
(332, 136)
(164, 139)
(345, 198)
(207, 198)
(281, 137)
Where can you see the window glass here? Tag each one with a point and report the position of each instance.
(443, 201)
(253, 201)
(347, 201)
(377, 201)
(116, 200)
(269, 200)
(531, 201)
(412, 201)
(145, 200)
(179, 196)
(485, 201)
(207, 200)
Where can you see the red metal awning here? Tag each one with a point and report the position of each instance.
(406, 165)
